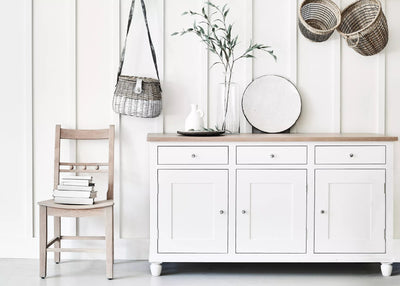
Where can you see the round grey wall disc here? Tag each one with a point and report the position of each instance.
(271, 104)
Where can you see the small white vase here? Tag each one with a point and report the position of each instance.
(194, 121)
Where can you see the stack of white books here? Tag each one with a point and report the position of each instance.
(75, 190)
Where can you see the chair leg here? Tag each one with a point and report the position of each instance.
(57, 233)
(109, 241)
(43, 241)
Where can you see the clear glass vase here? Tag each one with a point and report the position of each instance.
(228, 108)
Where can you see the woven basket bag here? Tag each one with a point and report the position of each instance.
(318, 19)
(137, 96)
(146, 104)
(364, 27)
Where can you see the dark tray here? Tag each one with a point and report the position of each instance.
(201, 133)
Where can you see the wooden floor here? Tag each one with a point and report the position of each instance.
(136, 273)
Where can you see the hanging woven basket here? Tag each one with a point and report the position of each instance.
(364, 27)
(318, 19)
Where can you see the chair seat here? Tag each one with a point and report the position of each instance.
(96, 205)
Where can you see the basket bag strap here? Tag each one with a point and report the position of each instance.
(153, 52)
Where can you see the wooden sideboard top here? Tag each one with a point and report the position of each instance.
(295, 137)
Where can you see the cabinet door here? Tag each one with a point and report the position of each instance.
(271, 211)
(192, 211)
(349, 211)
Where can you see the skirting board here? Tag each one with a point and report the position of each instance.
(129, 249)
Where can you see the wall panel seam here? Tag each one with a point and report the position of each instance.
(115, 117)
(29, 120)
(249, 64)
(206, 92)
(293, 48)
(161, 126)
(337, 92)
(74, 94)
(381, 127)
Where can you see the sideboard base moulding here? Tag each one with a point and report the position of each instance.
(271, 198)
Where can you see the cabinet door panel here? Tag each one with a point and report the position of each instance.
(192, 208)
(349, 211)
(271, 211)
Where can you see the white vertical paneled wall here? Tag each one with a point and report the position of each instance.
(319, 84)
(15, 123)
(59, 66)
(185, 59)
(391, 83)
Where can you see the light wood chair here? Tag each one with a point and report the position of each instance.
(100, 208)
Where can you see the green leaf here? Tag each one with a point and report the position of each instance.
(224, 7)
(201, 29)
(226, 13)
(229, 32)
(235, 40)
(211, 4)
(214, 64)
(203, 10)
(273, 55)
(174, 34)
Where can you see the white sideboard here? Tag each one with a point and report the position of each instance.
(271, 198)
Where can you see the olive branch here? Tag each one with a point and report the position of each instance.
(217, 34)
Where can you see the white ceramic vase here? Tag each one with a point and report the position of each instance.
(194, 121)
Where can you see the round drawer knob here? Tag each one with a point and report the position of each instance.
(351, 155)
(221, 212)
(272, 156)
(243, 212)
(322, 211)
(193, 155)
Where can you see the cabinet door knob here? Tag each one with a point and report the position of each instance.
(193, 155)
(272, 156)
(221, 212)
(243, 212)
(351, 155)
(322, 211)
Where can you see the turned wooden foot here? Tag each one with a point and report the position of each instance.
(386, 269)
(155, 268)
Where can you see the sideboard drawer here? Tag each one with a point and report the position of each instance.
(192, 155)
(271, 155)
(350, 154)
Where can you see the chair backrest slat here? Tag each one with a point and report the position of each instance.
(99, 134)
(84, 171)
(82, 164)
(85, 134)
